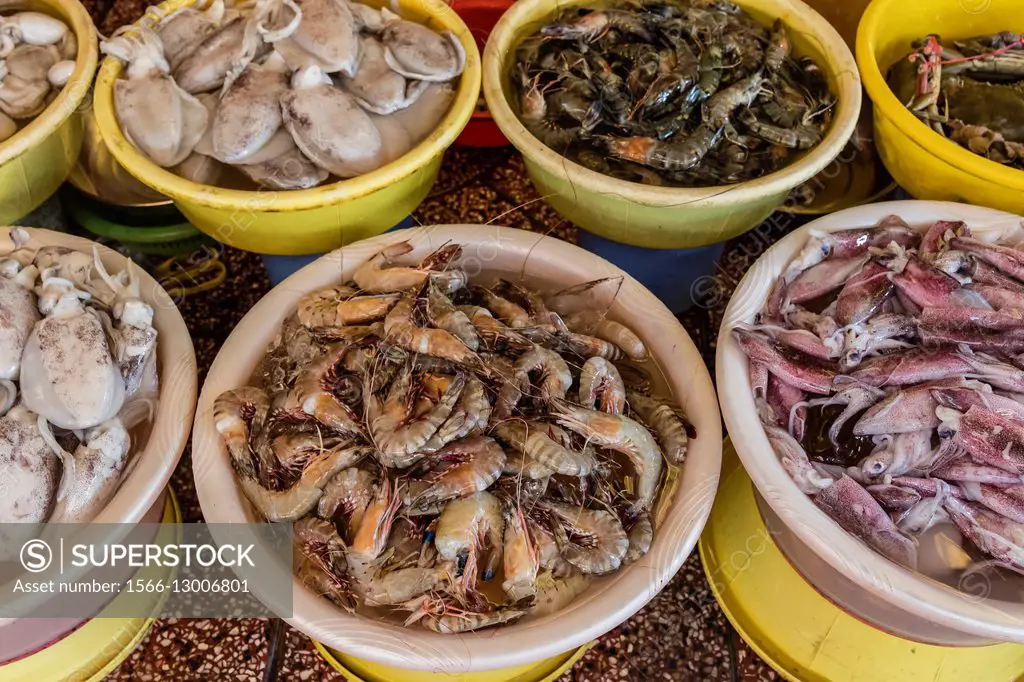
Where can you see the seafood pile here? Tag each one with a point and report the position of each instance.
(468, 454)
(677, 93)
(888, 372)
(37, 58)
(279, 93)
(971, 92)
(77, 375)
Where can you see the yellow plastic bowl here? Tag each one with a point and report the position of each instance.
(313, 220)
(668, 217)
(37, 159)
(924, 162)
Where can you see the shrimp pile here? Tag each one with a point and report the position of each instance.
(888, 371)
(37, 58)
(681, 93)
(77, 375)
(281, 94)
(468, 454)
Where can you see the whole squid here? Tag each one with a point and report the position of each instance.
(159, 117)
(29, 478)
(18, 310)
(249, 113)
(417, 52)
(329, 126)
(68, 374)
(327, 37)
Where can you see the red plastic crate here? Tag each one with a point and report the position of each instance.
(481, 16)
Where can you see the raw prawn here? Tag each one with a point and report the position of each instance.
(621, 434)
(302, 497)
(520, 557)
(672, 430)
(600, 380)
(467, 527)
(640, 537)
(598, 544)
(470, 465)
(313, 393)
(398, 435)
(341, 305)
(347, 495)
(534, 442)
(554, 593)
(401, 330)
(442, 616)
(373, 277)
(621, 336)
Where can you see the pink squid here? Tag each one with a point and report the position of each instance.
(758, 378)
(983, 273)
(807, 476)
(880, 333)
(1008, 502)
(980, 394)
(912, 367)
(783, 398)
(901, 454)
(929, 287)
(853, 508)
(935, 240)
(1007, 260)
(849, 243)
(991, 439)
(823, 278)
(928, 487)
(928, 511)
(894, 498)
(965, 470)
(822, 325)
(802, 372)
(801, 340)
(993, 534)
(907, 305)
(972, 319)
(915, 366)
(911, 409)
(999, 296)
(863, 294)
(987, 341)
(997, 373)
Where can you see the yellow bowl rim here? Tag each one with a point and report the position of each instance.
(888, 106)
(178, 188)
(781, 181)
(74, 92)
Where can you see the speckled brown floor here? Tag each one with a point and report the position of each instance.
(681, 635)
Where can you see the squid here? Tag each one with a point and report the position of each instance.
(329, 126)
(158, 116)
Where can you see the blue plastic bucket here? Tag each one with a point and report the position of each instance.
(673, 275)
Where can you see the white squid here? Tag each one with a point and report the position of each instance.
(18, 306)
(68, 375)
(160, 118)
